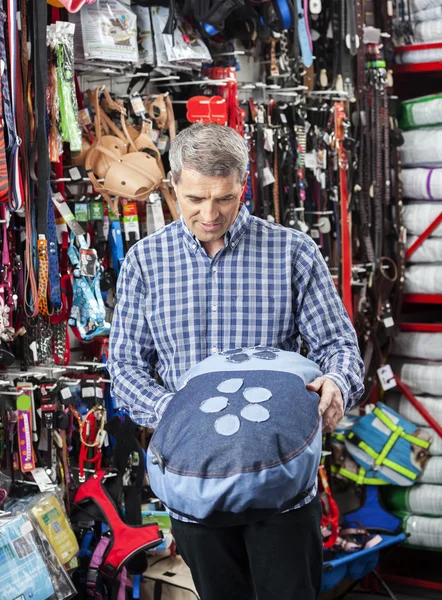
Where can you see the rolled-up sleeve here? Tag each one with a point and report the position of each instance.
(323, 323)
(132, 351)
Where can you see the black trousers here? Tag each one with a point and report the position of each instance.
(276, 559)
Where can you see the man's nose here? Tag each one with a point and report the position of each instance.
(209, 212)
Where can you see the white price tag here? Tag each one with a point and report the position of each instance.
(66, 393)
(389, 322)
(386, 378)
(310, 160)
(75, 173)
(267, 177)
(88, 392)
(42, 479)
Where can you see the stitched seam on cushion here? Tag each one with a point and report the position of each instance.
(250, 469)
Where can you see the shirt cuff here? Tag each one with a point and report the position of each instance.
(342, 384)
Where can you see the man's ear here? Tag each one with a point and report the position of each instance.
(244, 183)
(172, 181)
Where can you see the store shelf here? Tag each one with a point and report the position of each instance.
(418, 67)
(434, 66)
(422, 327)
(415, 47)
(422, 298)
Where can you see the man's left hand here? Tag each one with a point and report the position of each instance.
(331, 406)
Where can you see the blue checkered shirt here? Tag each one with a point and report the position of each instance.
(176, 305)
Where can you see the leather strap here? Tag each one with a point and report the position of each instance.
(54, 275)
(360, 57)
(276, 207)
(43, 272)
(40, 148)
(30, 303)
(304, 34)
(4, 184)
(5, 83)
(16, 191)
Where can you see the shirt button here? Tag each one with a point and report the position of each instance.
(214, 308)
(214, 269)
(194, 246)
(214, 350)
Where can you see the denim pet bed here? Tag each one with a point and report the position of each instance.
(240, 440)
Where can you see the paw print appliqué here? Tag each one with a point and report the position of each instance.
(229, 424)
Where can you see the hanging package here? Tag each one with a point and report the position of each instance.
(24, 573)
(109, 31)
(241, 439)
(145, 35)
(88, 313)
(388, 446)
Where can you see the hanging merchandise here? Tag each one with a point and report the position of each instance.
(88, 311)
(126, 171)
(126, 541)
(29, 566)
(145, 35)
(51, 518)
(383, 441)
(27, 573)
(184, 44)
(109, 30)
(60, 38)
(160, 17)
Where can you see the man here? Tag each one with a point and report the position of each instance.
(219, 279)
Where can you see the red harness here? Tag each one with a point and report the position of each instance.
(126, 540)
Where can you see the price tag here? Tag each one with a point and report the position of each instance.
(82, 212)
(137, 105)
(84, 118)
(388, 322)
(267, 177)
(75, 174)
(68, 217)
(163, 143)
(310, 160)
(154, 134)
(66, 393)
(386, 378)
(88, 262)
(96, 211)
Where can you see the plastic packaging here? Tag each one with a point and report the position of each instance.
(109, 31)
(30, 568)
(61, 39)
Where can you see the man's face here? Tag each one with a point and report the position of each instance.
(208, 205)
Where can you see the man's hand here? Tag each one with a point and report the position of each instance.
(331, 406)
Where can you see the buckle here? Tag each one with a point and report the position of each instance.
(92, 576)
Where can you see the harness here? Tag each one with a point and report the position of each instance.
(126, 540)
(88, 312)
(379, 446)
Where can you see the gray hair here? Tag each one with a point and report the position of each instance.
(211, 149)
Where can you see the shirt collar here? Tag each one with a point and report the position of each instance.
(232, 237)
